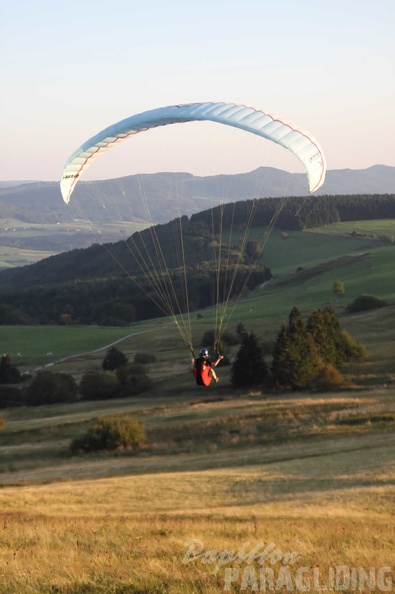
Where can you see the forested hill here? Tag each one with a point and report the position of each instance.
(128, 198)
(98, 284)
(199, 230)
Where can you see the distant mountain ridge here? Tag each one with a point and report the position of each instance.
(11, 183)
(111, 200)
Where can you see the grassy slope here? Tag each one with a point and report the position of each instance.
(319, 469)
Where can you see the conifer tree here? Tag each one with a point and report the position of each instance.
(282, 365)
(317, 327)
(294, 358)
(304, 356)
(295, 322)
(114, 359)
(334, 333)
(249, 367)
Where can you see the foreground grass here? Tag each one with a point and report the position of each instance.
(330, 502)
(307, 474)
(129, 555)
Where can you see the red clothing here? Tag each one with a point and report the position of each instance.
(202, 371)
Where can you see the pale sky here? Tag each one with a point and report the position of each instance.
(70, 69)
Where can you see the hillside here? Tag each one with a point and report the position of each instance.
(184, 265)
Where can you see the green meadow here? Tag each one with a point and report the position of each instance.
(39, 345)
(375, 228)
(309, 473)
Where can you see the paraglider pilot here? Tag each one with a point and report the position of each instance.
(203, 368)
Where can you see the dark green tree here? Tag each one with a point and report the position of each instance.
(294, 355)
(114, 359)
(10, 316)
(335, 336)
(9, 373)
(282, 365)
(319, 328)
(295, 323)
(249, 367)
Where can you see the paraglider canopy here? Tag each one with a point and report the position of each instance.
(300, 142)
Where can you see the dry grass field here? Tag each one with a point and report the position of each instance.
(312, 475)
(233, 491)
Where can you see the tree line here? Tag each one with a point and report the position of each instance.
(302, 213)
(305, 354)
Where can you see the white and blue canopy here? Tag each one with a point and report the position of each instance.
(295, 139)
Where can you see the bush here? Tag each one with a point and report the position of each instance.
(328, 377)
(50, 388)
(133, 379)
(351, 349)
(366, 302)
(144, 358)
(96, 385)
(111, 432)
